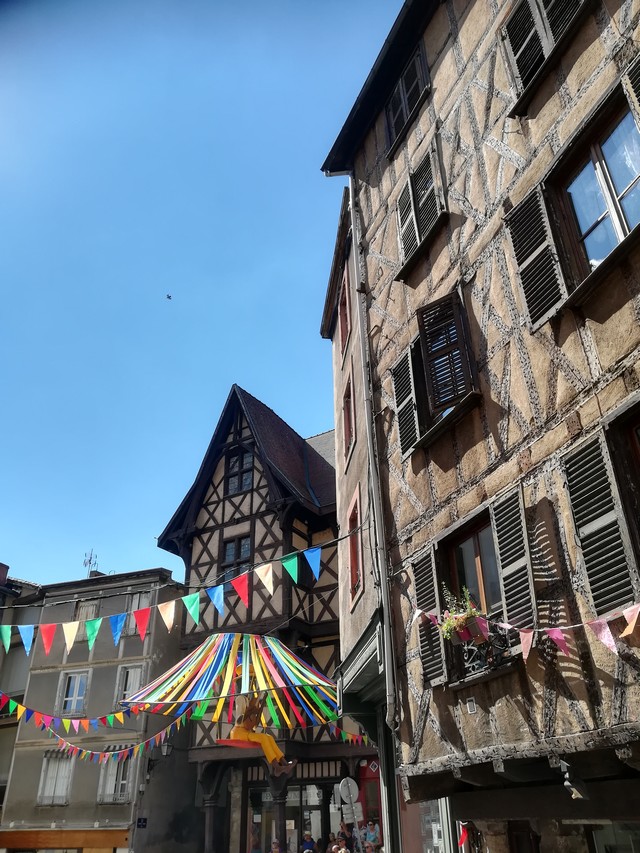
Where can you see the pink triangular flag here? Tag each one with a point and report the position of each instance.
(47, 632)
(70, 630)
(168, 611)
(241, 586)
(265, 573)
(142, 620)
(558, 637)
(76, 725)
(601, 629)
(526, 641)
(631, 615)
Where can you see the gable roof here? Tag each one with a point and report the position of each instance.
(300, 469)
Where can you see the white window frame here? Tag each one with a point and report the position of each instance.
(62, 692)
(85, 612)
(137, 601)
(123, 691)
(55, 779)
(116, 779)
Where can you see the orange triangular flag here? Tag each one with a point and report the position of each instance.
(168, 611)
(142, 620)
(47, 632)
(241, 586)
(265, 573)
(70, 630)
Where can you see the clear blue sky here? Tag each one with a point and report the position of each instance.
(153, 147)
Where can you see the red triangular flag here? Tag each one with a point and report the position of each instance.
(241, 586)
(464, 834)
(142, 620)
(47, 632)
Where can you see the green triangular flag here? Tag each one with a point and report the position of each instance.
(290, 562)
(12, 706)
(110, 719)
(5, 634)
(192, 603)
(66, 723)
(92, 627)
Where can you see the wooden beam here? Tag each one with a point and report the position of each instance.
(58, 839)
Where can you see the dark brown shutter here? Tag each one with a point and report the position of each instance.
(525, 43)
(560, 14)
(404, 390)
(542, 282)
(431, 645)
(599, 522)
(514, 562)
(444, 353)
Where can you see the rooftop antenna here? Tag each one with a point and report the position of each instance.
(90, 562)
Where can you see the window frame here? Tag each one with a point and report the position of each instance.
(136, 600)
(354, 542)
(123, 671)
(419, 61)
(55, 758)
(238, 452)
(344, 311)
(65, 677)
(348, 418)
(231, 569)
(421, 418)
(111, 774)
(85, 611)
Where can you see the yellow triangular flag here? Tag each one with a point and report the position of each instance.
(168, 611)
(70, 630)
(20, 710)
(265, 573)
(120, 717)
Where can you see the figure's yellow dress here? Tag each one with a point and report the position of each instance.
(270, 748)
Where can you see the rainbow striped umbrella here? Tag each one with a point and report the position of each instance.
(226, 666)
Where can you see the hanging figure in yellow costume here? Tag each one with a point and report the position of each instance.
(244, 730)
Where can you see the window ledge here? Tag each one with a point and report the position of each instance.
(528, 93)
(470, 401)
(405, 127)
(584, 290)
(414, 257)
(487, 675)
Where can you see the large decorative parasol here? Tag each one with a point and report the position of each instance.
(226, 666)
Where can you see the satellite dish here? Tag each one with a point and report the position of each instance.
(349, 789)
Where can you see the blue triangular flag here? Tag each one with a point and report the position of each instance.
(216, 594)
(313, 558)
(26, 632)
(117, 624)
(28, 714)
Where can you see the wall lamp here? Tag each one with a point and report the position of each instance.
(576, 787)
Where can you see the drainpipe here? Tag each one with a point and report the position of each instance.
(380, 563)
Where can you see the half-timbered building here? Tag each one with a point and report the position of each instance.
(263, 492)
(494, 163)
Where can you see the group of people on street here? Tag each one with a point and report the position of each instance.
(346, 840)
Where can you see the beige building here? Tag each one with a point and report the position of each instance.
(492, 217)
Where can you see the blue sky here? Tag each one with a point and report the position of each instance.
(153, 147)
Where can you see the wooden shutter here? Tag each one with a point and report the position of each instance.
(514, 562)
(560, 15)
(428, 194)
(542, 282)
(407, 224)
(598, 518)
(631, 85)
(444, 353)
(525, 44)
(406, 405)
(431, 644)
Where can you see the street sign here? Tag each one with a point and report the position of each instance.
(141, 823)
(349, 790)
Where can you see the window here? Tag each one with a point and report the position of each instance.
(136, 601)
(74, 691)
(355, 554)
(129, 681)
(85, 611)
(434, 382)
(236, 556)
(239, 472)
(115, 777)
(344, 314)
(605, 512)
(55, 780)
(490, 556)
(587, 207)
(421, 205)
(407, 95)
(348, 419)
(532, 32)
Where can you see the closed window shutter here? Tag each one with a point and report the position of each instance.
(428, 192)
(597, 514)
(631, 85)
(407, 222)
(431, 645)
(512, 550)
(525, 44)
(542, 282)
(560, 14)
(444, 353)
(404, 390)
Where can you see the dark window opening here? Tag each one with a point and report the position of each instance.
(407, 94)
(239, 472)
(235, 557)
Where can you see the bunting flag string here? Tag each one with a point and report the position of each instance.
(141, 617)
(53, 721)
(557, 634)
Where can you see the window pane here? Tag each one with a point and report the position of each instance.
(247, 478)
(586, 197)
(600, 242)
(245, 547)
(631, 206)
(234, 463)
(466, 566)
(233, 485)
(490, 575)
(622, 153)
(229, 551)
(247, 460)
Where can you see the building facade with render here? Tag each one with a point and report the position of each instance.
(493, 157)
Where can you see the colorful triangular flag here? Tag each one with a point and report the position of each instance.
(168, 611)
(70, 631)
(47, 632)
(92, 626)
(290, 563)
(216, 594)
(192, 603)
(142, 620)
(265, 574)
(241, 586)
(26, 633)
(117, 624)
(313, 558)
(5, 634)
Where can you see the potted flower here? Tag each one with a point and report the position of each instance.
(459, 624)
